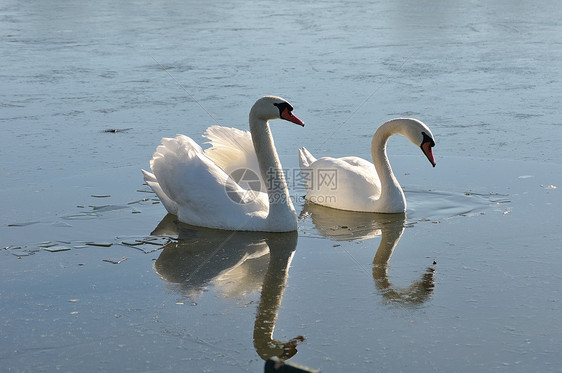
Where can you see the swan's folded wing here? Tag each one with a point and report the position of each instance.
(204, 193)
(232, 150)
(346, 183)
(347, 175)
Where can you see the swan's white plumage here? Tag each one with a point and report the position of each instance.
(305, 158)
(170, 205)
(355, 184)
(231, 149)
(342, 183)
(196, 185)
(185, 178)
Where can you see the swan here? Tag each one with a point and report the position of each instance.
(223, 187)
(355, 184)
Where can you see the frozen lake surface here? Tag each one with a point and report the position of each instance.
(95, 277)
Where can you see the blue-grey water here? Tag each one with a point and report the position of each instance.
(95, 277)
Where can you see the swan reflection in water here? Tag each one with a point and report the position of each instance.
(236, 263)
(341, 225)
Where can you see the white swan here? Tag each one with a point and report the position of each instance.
(202, 188)
(354, 184)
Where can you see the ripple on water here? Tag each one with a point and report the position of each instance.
(438, 205)
(423, 205)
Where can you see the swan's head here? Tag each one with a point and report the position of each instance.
(272, 107)
(419, 134)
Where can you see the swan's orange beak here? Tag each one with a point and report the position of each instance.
(426, 148)
(288, 115)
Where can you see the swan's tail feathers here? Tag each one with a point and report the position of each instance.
(170, 156)
(170, 205)
(305, 158)
(148, 177)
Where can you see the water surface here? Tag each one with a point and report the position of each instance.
(95, 276)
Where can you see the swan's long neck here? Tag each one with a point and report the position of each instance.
(391, 192)
(281, 210)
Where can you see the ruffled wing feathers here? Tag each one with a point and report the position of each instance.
(196, 189)
(231, 149)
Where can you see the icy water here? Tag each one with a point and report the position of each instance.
(95, 277)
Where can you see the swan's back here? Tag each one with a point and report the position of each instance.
(336, 182)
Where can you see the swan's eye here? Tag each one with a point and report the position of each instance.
(427, 138)
(282, 106)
